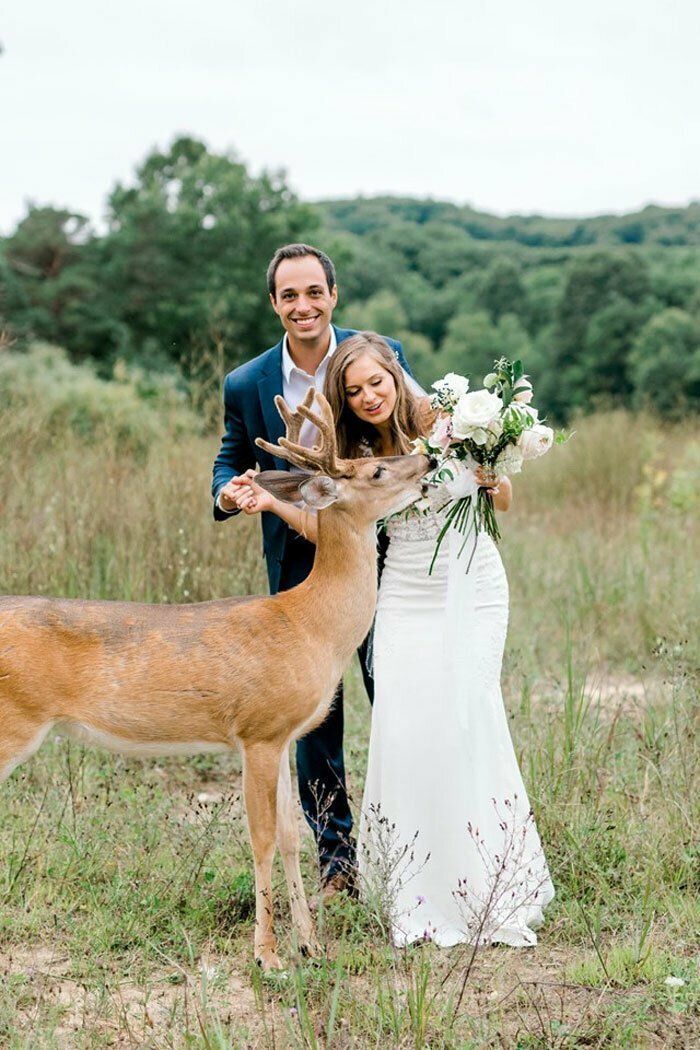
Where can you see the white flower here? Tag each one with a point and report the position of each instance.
(479, 436)
(536, 441)
(524, 388)
(475, 411)
(509, 462)
(452, 384)
(463, 482)
(675, 982)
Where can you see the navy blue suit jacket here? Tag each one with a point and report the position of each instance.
(250, 412)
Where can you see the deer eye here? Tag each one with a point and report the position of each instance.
(378, 473)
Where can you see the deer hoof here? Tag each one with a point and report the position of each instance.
(268, 960)
(310, 949)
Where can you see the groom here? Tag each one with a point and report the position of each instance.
(303, 293)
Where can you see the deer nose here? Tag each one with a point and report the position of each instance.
(432, 462)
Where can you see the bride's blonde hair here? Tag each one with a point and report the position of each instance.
(353, 433)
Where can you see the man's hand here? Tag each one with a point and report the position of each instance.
(241, 493)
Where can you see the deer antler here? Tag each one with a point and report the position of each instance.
(323, 457)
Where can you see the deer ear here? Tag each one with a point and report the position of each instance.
(283, 484)
(319, 491)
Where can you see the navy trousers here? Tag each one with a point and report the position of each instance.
(320, 761)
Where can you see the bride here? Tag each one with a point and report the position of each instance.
(447, 839)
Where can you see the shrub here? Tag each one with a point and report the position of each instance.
(43, 394)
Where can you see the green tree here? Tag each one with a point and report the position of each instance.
(602, 368)
(665, 364)
(473, 343)
(605, 300)
(187, 249)
(50, 283)
(428, 309)
(382, 313)
(502, 291)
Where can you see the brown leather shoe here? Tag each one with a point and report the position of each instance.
(342, 882)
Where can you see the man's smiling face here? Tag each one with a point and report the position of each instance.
(303, 301)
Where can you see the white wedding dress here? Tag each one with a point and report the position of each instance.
(447, 839)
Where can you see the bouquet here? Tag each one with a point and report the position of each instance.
(478, 437)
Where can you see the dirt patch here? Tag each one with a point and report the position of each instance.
(173, 1002)
(518, 997)
(609, 694)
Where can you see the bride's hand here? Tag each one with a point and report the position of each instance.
(487, 481)
(499, 489)
(248, 496)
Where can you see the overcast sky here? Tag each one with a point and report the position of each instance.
(541, 106)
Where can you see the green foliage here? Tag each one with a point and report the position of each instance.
(188, 246)
(45, 395)
(573, 314)
(181, 267)
(665, 364)
(178, 279)
(502, 291)
(51, 287)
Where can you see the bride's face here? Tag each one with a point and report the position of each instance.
(370, 390)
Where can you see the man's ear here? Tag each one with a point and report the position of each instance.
(318, 491)
(283, 484)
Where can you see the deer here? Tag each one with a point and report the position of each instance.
(253, 673)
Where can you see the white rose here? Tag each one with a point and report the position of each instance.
(509, 462)
(463, 483)
(452, 384)
(536, 441)
(475, 411)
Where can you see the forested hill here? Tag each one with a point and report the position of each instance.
(601, 310)
(653, 225)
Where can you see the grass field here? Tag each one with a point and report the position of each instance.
(126, 887)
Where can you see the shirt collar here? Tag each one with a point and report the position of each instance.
(288, 365)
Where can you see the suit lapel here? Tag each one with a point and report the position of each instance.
(343, 333)
(269, 385)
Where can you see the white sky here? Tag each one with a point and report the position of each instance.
(513, 106)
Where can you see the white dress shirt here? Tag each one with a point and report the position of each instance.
(296, 382)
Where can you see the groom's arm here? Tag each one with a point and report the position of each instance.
(400, 356)
(237, 452)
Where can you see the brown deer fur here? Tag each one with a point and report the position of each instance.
(250, 672)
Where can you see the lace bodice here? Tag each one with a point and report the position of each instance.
(422, 520)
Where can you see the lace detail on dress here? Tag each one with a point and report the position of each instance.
(422, 520)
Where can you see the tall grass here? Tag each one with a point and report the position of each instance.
(125, 887)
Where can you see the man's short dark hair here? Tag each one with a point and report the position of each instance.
(298, 251)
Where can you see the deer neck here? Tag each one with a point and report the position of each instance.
(345, 569)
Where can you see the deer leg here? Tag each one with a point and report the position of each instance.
(288, 842)
(19, 738)
(260, 772)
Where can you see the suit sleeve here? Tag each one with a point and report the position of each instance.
(237, 452)
(401, 357)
